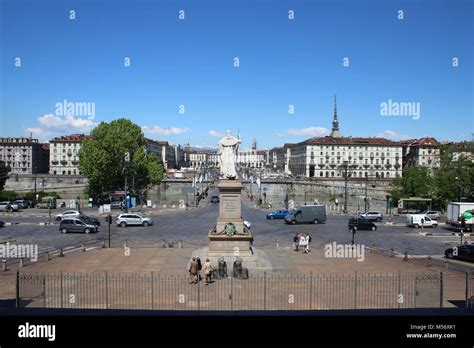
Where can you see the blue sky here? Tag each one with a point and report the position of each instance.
(283, 62)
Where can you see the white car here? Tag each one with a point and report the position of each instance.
(68, 214)
(126, 219)
(8, 206)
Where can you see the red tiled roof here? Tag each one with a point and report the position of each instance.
(348, 141)
(73, 138)
(421, 141)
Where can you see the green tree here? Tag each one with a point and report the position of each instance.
(453, 180)
(414, 182)
(102, 159)
(4, 170)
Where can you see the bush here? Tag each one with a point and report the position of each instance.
(8, 195)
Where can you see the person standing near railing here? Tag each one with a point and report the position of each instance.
(193, 271)
(208, 271)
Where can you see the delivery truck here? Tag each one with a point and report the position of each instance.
(459, 211)
(309, 214)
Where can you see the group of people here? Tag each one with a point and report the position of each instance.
(195, 268)
(301, 242)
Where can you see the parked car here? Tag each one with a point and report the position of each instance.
(307, 214)
(432, 214)
(116, 205)
(89, 219)
(67, 214)
(419, 220)
(277, 214)
(71, 224)
(372, 216)
(126, 219)
(215, 199)
(361, 224)
(8, 206)
(1, 223)
(463, 252)
(22, 204)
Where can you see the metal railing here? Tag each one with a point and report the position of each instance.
(261, 292)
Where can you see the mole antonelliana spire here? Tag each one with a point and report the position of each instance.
(335, 123)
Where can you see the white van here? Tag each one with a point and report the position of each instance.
(418, 220)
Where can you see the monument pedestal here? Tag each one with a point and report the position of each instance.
(230, 238)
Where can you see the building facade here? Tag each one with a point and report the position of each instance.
(170, 155)
(421, 152)
(328, 156)
(24, 155)
(64, 154)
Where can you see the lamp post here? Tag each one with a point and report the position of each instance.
(36, 171)
(365, 199)
(125, 169)
(345, 165)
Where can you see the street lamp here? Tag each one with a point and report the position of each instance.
(36, 171)
(345, 167)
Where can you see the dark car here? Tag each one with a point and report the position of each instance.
(215, 199)
(90, 220)
(1, 223)
(277, 214)
(77, 225)
(22, 204)
(361, 224)
(462, 252)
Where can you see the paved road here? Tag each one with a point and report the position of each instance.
(192, 226)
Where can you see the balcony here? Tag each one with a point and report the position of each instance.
(55, 162)
(63, 163)
(377, 166)
(75, 163)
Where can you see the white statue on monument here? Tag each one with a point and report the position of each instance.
(228, 147)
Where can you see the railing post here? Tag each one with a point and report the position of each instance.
(44, 291)
(399, 287)
(468, 289)
(311, 290)
(441, 289)
(106, 290)
(264, 290)
(231, 293)
(17, 290)
(152, 291)
(199, 292)
(355, 290)
(62, 288)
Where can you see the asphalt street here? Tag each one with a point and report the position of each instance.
(192, 227)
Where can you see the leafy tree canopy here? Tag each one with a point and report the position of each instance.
(102, 159)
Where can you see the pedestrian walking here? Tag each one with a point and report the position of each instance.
(307, 241)
(296, 240)
(302, 241)
(336, 202)
(198, 260)
(193, 271)
(208, 269)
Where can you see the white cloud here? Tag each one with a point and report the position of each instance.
(216, 134)
(391, 135)
(164, 131)
(309, 131)
(51, 125)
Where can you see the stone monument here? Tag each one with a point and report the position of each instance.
(230, 238)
